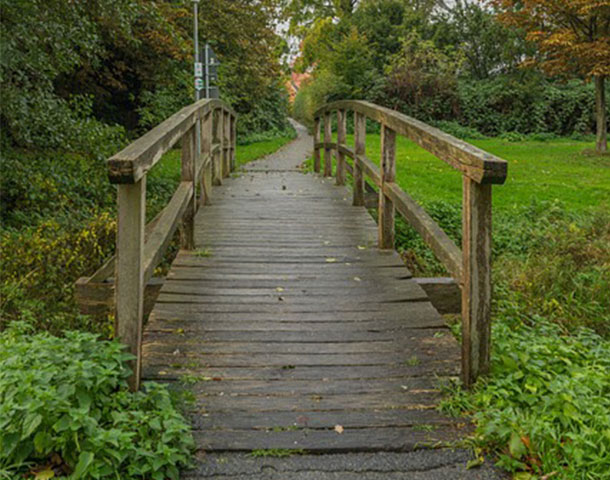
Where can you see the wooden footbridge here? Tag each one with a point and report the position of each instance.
(287, 312)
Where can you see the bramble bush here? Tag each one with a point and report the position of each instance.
(66, 411)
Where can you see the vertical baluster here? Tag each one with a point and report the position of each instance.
(359, 149)
(328, 137)
(233, 141)
(226, 143)
(129, 292)
(316, 149)
(388, 174)
(206, 145)
(340, 141)
(217, 163)
(476, 288)
(187, 227)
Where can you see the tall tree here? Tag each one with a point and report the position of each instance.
(573, 38)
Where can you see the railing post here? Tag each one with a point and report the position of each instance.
(359, 149)
(328, 137)
(476, 272)
(233, 141)
(217, 162)
(206, 145)
(388, 174)
(129, 292)
(316, 149)
(187, 227)
(340, 141)
(226, 143)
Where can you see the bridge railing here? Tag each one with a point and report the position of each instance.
(471, 266)
(140, 247)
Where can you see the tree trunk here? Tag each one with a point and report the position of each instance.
(601, 145)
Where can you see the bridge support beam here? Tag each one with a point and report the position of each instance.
(187, 227)
(130, 272)
(476, 275)
(316, 150)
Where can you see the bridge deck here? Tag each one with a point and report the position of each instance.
(287, 322)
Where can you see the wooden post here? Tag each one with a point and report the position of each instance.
(226, 144)
(217, 163)
(233, 141)
(206, 145)
(328, 137)
(388, 174)
(130, 272)
(476, 288)
(359, 149)
(340, 141)
(187, 227)
(316, 150)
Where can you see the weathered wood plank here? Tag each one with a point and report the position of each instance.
(385, 219)
(476, 272)
(341, 134)
(328, 161)
(130, 272)
(444, 293)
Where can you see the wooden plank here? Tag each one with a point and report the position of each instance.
(187, 225)
(480, 166)
(158, 369)
(385, 220)
(476, 289)
(97, 298)
(319, 441)
(328, 162)
(440, 243)
(291, 421)
(130, 272)
(444, 293)
(341, 134)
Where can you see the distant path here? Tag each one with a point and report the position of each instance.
(296, 332)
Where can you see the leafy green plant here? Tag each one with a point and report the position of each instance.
(65, 405)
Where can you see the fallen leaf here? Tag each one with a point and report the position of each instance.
(475, 462)
(358, 279)
(279, 289)
(45, 474)
(331, 260)
(338, 429)
(361, 247)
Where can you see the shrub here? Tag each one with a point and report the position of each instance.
(65, 406)
(459, 131)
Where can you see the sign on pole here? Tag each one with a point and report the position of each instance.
(198, 69)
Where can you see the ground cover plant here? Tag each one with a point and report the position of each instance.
(66, 412)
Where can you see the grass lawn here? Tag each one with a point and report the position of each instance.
(537, 171)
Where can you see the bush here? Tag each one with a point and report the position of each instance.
(546, 405)
(459, 131)
(65, 406)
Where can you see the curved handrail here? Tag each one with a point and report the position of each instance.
(480, 166)
(132, 163)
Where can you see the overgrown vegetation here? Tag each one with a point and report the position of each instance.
(66, 412)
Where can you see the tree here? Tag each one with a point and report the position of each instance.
(573, 38)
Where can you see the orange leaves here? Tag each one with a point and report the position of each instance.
(573, 36)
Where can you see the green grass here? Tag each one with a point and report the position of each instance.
(537, 171)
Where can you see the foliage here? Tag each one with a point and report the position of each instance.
(65, 406)
(546, 405)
